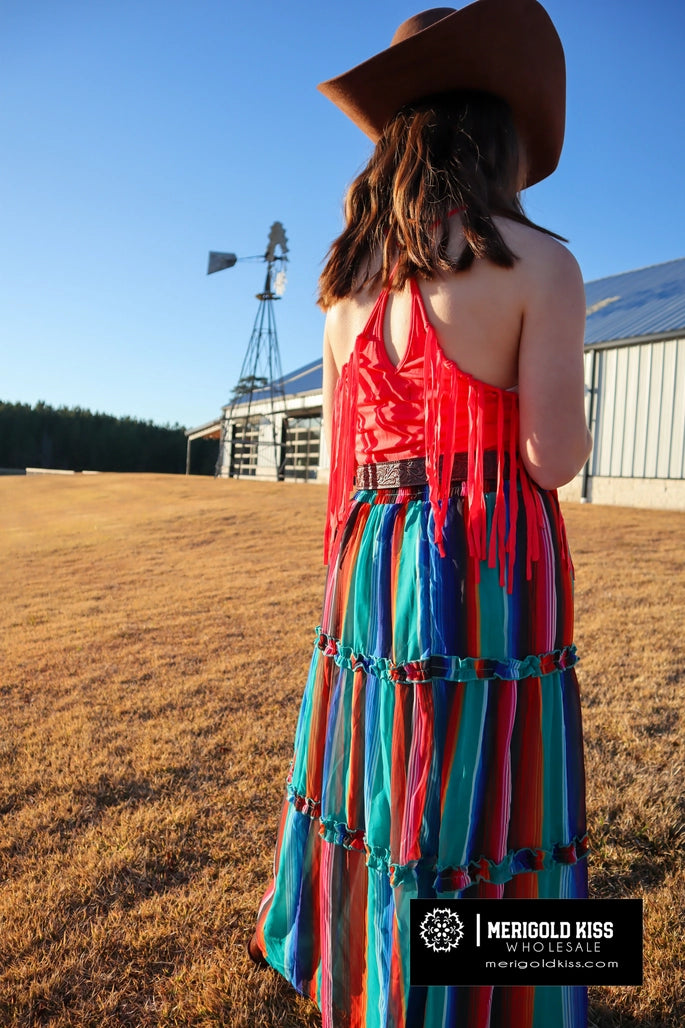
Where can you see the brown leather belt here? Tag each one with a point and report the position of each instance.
(396, 474)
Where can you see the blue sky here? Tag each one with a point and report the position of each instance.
(139, 134)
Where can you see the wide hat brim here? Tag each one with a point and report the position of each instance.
(506, 47)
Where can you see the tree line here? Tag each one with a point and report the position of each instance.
(74, 439)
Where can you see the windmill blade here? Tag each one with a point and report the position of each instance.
(219, 261)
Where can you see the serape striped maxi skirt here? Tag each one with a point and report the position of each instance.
(438, 752)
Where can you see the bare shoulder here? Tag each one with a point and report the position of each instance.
(344, 321)
(338, 321)
(542, 258)
(336, 317)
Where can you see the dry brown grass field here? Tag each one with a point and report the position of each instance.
(156, 633)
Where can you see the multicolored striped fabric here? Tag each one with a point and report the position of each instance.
(438, 752)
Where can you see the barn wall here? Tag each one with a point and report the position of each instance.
(639, 416)
(292, 425)
(638, 426)
(657, 493)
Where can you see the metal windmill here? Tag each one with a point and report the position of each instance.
(248, 433)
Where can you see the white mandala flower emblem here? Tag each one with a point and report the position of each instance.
(442, 930)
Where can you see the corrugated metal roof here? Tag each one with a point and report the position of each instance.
(648, 301)
(307, 379)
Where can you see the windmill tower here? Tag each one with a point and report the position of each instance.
(251, 431)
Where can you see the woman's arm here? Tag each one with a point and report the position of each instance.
(554, 437)
(330, 378)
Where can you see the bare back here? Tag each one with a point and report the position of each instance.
(519, 327)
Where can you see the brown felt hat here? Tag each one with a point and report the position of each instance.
(506, 47)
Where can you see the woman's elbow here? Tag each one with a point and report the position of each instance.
(552, 466)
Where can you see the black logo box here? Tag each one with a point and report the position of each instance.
(525, 942)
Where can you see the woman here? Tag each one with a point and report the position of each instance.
(438, 749)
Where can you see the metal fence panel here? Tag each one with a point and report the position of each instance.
(302, 444)
(244, 449)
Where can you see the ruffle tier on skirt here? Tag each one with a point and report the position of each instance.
(438, 752)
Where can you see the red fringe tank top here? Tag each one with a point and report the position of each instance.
(426, 406)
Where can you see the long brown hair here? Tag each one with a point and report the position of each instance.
(455, 151)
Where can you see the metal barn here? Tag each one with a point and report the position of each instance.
(246, 434)
(635, 397)
(635, 389)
